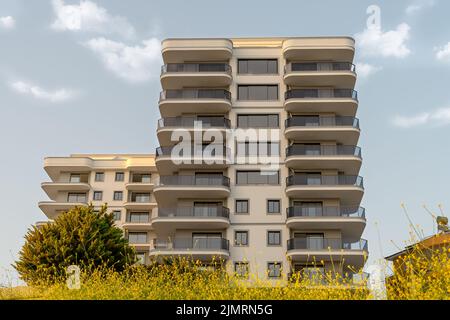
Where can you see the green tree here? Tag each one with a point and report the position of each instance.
(80, 237)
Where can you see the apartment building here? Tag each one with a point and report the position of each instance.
(267, 179)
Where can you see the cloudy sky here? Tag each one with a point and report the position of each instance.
(82, 77)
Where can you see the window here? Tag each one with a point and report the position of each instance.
(274, 269)
(138, 217)
(257, 177)
(140, 197)
(75, 178)
(120, 176)
(273, 206)
(241, 269)
(241, 206)
(118, 195)
(117, 215)
(137, 237)
(241, 238)
(274, 238)
(76, 197)
(141, 178)
(258, 92)
(98, 195)
(258, 121)
(309, 209)
(258, 66)
(140, 256)
(99, 176)
(254, 149)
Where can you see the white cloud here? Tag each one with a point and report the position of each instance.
(437, 117)
(374, 42)
(7, 22)
(418, 6)
(37, 92)
(443, 53)
(365, 70)
(88, 16)
(132, 63)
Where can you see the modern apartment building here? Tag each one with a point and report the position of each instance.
(267, 178)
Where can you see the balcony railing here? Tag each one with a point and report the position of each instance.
(321, 94)
(195, 212)
(196, 67)
(312, 211)
(206, 122)
(319, 67)
(308, 150)
(320, 180)
(218, 151)
(203, 180)
(195, 94)
(320, 278)
(311, 121)
(318, 243)
(192, 244)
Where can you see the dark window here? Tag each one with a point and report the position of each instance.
(258, 121)
(241, 206)
(257, 177)
(117, 215)
(254, 149)
(274, 269)
(273, 206)
(118, 195)
(274, 238)
(137, 237)
(98, 195)
(75, 178)
(258, 66)
(141, 178)
(120, 176)
(140, 197)
(258, 92)
(76, 197)
(241, 238)
(138, 217)
(99, 176)
(241, 269)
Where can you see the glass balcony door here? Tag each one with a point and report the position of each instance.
(206, 209)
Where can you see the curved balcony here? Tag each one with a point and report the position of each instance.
(332, 74)
(343, 102)
(203, 249)
(180, 75)
(349, 189)
(180, 50)
(52, 208)
(320, 157)
(353, 253)
(173, 158)
(212, 217)
(319, 48)
(212, 124)
(344, 130)
(210, 101)
(52, 188)
(191, 187)
(350, 220)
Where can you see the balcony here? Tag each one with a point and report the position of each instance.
(180, 75)
(52, 208)
(343, 102)
(202, 186)
(141, 223)
(203, 249)
(353, 253)
(199, 217)
(349, 189)
(322, 157)
(139, 201)
(319, 48)
(181, 50)
(201, 124)
(140, 182)
(350, 220)
(173, 158)
(344, 130)
(177, 102)
(332, 74)
(53, 188)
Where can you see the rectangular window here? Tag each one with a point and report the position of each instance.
(258, 66)
(120, 176)
(98, 195)
(100, 176)
(241, 269)
(118, 195)
(241, 238)
(76, 198)
(254, 149)
(258, 121)
(241, 206)
(257, 177)
(75, 178)
(138, 217)
(273, 206)
(140, 197)
(258, 92)
(274, 269)
(274, 238)
(141, 178)
(137, 237)
(117, 215)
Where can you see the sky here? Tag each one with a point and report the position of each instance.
(83, 77)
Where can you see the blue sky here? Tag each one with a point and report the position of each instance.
(82, 77)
